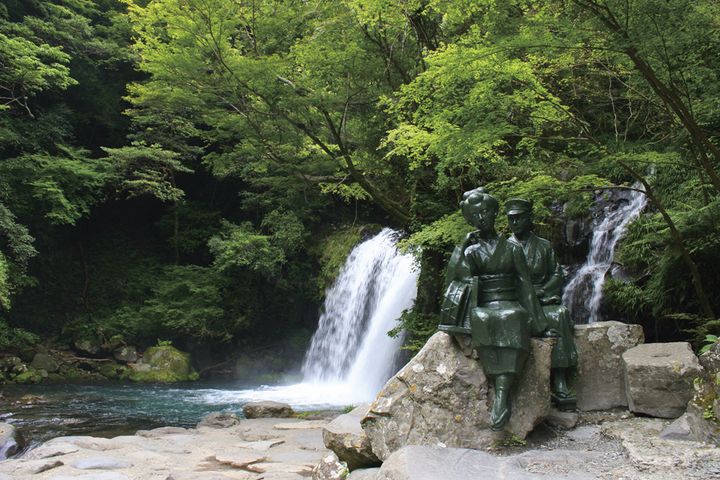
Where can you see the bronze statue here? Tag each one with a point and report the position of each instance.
(490, 296)
(547, 279)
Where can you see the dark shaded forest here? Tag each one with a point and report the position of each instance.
(196, 171)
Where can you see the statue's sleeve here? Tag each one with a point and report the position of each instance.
(527, 297)
(554, 275)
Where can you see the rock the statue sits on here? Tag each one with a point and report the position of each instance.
(490, 296)
(442, 397)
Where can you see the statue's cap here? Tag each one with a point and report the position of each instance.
(515, 206)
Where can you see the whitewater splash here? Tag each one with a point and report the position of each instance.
(583, 292)
(350, 356)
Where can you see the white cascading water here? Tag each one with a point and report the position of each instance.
(583, 292)
(351, 343)
(350, 356)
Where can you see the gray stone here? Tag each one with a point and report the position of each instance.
(678, 430)
(659, 378)
(348, 440)
(266, 409)
(566, 420)
(330, 468)
(600, 383)
(434, 463)
(93, 476)
(710, 360)
(702, 429)
(9, 444)
(126, 354)
(364, 474)
(43, 361)
(219, 420)
(100, 463)
(88, 346)
(442, 397)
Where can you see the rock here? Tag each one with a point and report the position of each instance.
(442, 397)
(301, 425)
(164, 364)
(93, 476)
(600, 383)
(702, 428)
(267, 409)
(43, 361)
(415, 462)
(645, 448)
(126, 354)
(9, 441)
(48, 465)
(363, 474)
(710, 360)
(678, 430)
(243, 459)
(348, 440)
(330, 468)
(100, 463)
(566, 420)
(219, 420)
(12, 365)
(659, 378)
(91, 346)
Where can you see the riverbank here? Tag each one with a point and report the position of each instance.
(603, 445)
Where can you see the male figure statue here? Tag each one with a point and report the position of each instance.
(547, 279)
(490, 296)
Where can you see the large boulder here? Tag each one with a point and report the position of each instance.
(43, 361)
(267, 409)
(659, 378)
(600, 382)
(442, 397)
(126, 354)
(348, 440)
(164, 364)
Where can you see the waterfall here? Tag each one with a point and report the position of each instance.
(351, 344)
(584, 290)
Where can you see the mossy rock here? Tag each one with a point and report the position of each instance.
(163, 364)
(30, 376)
(113, 371)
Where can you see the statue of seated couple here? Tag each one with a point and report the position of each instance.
(503, 291)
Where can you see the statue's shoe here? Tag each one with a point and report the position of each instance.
(564, 401)
(499, 419)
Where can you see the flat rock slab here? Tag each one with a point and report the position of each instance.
(100, 463)
(301, 425)
(645, 448)
(442, 397)
(659, 378)
(600, 383)
(434, 463)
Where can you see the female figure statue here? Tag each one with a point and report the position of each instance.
(490, 296)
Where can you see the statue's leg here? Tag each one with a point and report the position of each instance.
(564, 354)
(500, 413)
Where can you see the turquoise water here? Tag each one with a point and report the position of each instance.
(41, 412)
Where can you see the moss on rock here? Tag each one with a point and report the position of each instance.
(163, 364)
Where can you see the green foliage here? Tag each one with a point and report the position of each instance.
(709, 342)
(15, 339)
(334, 251)
(240, 246)
(420, 326)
